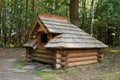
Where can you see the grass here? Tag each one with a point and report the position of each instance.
(109, 76)
(112, 55)
(19, 64)
(51, 74)
(1, 57)
(113, 50)
(47, 75)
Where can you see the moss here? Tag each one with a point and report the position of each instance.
(47, 75)
(19, 64)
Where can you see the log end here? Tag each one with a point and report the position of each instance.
(57, 66)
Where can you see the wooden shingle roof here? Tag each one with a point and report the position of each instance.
(70, 35)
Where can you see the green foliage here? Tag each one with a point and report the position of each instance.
(17, 16)
(107, 14)
(116, 43)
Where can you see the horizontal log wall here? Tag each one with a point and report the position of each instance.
(44, 55)
(67, 58)
(71, 58)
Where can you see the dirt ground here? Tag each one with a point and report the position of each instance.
(109, 69)
(8, 71)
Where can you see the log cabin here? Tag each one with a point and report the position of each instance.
(58, 42)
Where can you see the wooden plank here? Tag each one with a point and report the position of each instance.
(47, 56)
(81, 63)
(64, 59)
(57, 66)
(80, 51)
(42, 27)
(82, 54)
(49, 36)
(57, 61)
(79, 59)
(57, 55)
(44, 51)
(43, 60)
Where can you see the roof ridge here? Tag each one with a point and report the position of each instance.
(53, 16)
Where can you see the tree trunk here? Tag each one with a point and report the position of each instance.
(4, 36)
(32, 3)
(0, 23)
(26, 36)
(84, 14)
(74, 11)
(92, 16)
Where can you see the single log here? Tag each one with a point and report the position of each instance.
(50, 56)
(78, 59)
(81, 63)
(100, 55)
(57, 55)
(64, 64)
(57, 66)
(44, 51)
(64, 59)
(44, 60)
(82, 54)
(43, 55)
(28, 59)
(28, 54)
(80, 51)
(57, 61)
(62, 53)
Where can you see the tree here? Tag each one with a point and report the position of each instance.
(74, 11)
(107, 13)
(92, 16)
(84, 13)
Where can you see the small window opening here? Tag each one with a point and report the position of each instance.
(44, 38)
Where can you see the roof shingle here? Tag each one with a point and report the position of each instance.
(71, 36)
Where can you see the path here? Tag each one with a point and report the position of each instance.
(8, 70)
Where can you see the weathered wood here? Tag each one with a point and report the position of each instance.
(80, 51)
(82, 54)
(49, 36)
(100, 55)
(64, 59)
(57, 55)
(81, 63)
(44, 51)
(57, 66)
(79, 59)
(57, 61)
(42, 28)
(39, 38)
(28, 54)
(61, 53)
(43, 60)
(43, 55)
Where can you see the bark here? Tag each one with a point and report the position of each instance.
(20, 23)
(0, 22)
(74, 11)
(26, 36)
(84, 14)
(4, 24)
(92, 16)
(33, 5)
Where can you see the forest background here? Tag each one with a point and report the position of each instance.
(100, 18)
